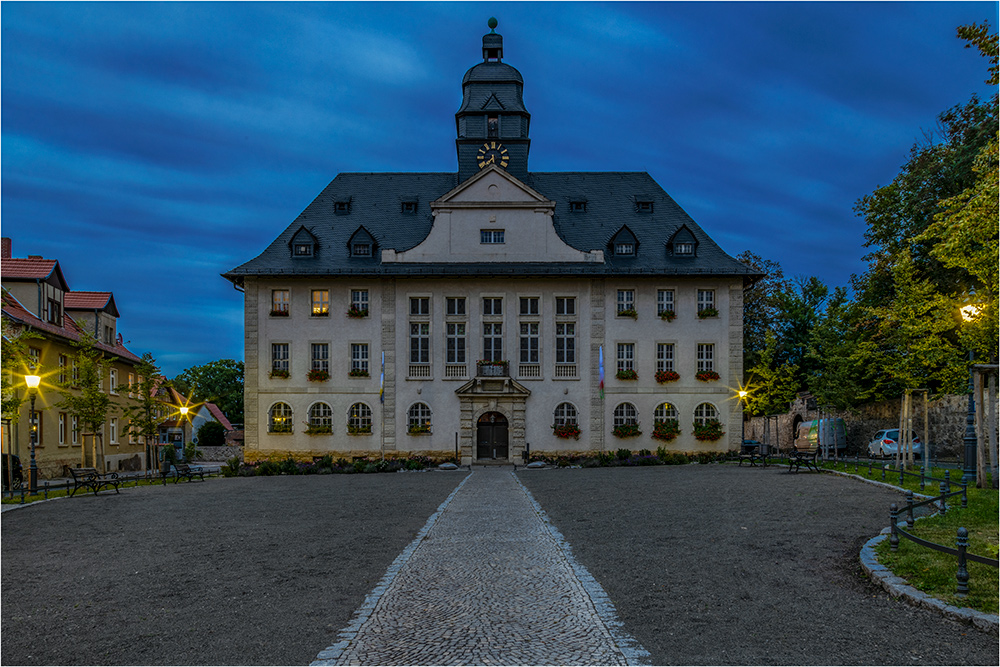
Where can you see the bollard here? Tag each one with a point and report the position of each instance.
(869, 467)
(22, 493)
(893, 536)
(962, 542)
(965, 497)
(901, 474)
(909, 509)
(943, 488)
(923, 471)
(947, 479)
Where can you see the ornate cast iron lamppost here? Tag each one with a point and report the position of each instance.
(969, 466)
(33, 381)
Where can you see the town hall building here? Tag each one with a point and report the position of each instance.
(491, 308)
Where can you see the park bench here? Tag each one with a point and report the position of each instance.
(803, 457)
(752, 454)
(186, 471)
(89, 478)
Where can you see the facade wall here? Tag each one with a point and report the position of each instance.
(387, 328)
(57, 447)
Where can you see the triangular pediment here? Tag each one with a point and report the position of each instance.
(492, 185)
(493, 104)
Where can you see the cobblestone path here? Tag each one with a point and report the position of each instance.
(488, 581)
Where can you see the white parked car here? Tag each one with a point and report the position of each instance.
(886, 443)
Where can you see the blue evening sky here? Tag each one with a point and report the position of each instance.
(150, 147)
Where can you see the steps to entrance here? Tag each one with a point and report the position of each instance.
(488, 581)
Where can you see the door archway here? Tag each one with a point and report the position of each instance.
(492, 437)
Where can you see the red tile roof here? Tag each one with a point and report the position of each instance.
(30, 268)
(86, 300)
(69, 330)
(219, 416)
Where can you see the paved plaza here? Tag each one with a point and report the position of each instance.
(696, 564)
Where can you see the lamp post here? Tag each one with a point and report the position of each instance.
(743, 416)
(969, 466)
(33, 381)
(184, 415)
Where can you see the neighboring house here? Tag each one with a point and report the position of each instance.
(179, 430)
(493, 293)
(37, 298)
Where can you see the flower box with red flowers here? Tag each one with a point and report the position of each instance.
(707, 376)
(627, 374)
(566, 431)
(711, 430)
(667, 376)
(317, 375)
(666, 430)
(626, 431)
(356, 312)
(279, 373)
(279, 313)
(667, 315)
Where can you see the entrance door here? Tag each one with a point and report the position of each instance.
(491, 436)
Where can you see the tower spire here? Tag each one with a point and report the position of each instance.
(492, 43)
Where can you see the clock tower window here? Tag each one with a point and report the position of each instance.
(493, 127)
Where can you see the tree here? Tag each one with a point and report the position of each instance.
(771, 385)
(141, 410)
(16, 364)
(82, 395)
(833, 347)
(761, 306)
(219, 382)
(211, 434)
(800, 311)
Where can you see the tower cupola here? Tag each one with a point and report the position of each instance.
(492, 123)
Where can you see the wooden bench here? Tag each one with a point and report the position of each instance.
(89, 478)
(186, 471)
(803, 457)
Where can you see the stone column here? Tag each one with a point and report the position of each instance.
(251, 369)
(597, 327)
(389, 348)
(735, 371)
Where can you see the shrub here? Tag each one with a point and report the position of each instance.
(212, 434)
(288, 467)
(190, 452)
(231, 468)
(623, 454)
(267, 468)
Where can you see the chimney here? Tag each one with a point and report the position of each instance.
(5, 254)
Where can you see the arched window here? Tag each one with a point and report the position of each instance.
(321, 417)
(359, 419)
(279, 419)
(663, 412)
(626, 414)
(418, 418)
(704, 413)
(565, 415)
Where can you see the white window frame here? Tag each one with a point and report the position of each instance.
(320, 307)
(491, 236)
(625, 356)
(625, 300)
(493, 341)
(705, 412)
(663, 412)
(706, 357)
(565, 414)
(625, 413)
(529, 343)
(279, 362)
(423, 306)
(279, 414)
(281, 301)
(113, 430)
(528, 306)
(454, 304)
(360, 415)
(706, 299)
(492, 306)
(74, 432)
(455, 345)
(360, 357)
(320, 362)
(359, 299)
(565, 342)
(420, 343)
(665, 300)
(565, 306)
(419, 414)
(321, 414)
(62, 428)
(665, 355)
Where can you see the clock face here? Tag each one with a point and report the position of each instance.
(492, 152)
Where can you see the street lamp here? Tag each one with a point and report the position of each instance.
(33, 381)
(969, 467)
(743, 416)
(184, 412)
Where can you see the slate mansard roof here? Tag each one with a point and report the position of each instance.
(375, 203)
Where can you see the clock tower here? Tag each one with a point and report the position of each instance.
(492, 122)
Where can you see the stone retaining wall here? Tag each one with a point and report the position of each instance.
(219, 453)
(946, 423)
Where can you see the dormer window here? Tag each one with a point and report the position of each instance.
(361, 250)
(578, 207)
(625, 249)
(303, 243)
(644, 206)
(683, 248)
(342, 207)
(409, 207)
(362, 243)
(303, 249)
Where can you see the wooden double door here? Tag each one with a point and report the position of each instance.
(492, 437)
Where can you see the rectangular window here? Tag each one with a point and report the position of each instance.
(565, 343)
(62, 428)
(359, 357)
(53, 312)
(359, 301)
(493, 341)
(706, 299)
(529, 305)
(683, 248)
(492, 306)
(624, 248)
(109, 335)
(626, 356)
(303, 250)
(565, 305)
(420, 305)
(280, 299)
(664, 301)
(456, 342)
(529, 342)
(664, 357)
(113, 376)
(131, 385)
(455, 306)
(76, 372)
(706, 357)
(578, 206)
(321, 357)
(409, 207)
(626, 300)
(420, 343)
(320, 302)
(279, 357)
(491, 236)
(361, 250)
(644, 206)
(113, 430)
(35, 356)
(62, 368)
(74, 433)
